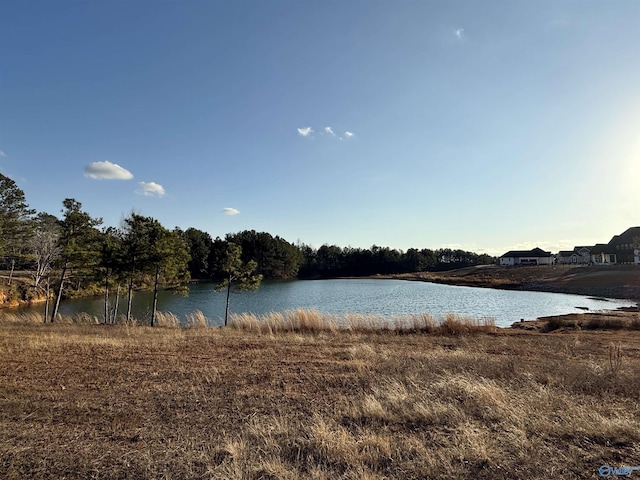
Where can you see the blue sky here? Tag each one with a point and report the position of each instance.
(486, 126)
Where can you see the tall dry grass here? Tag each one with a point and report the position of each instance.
(300, 321)
(594, 321)
(196, 320)
(34, 317)
(312, 321)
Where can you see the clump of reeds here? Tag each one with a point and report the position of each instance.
(290, 321)
(615, 359)
(457, 325)
(167, 319)
(312, 321)
(22, 317)
(609, 324)
(592, 322)
(84, 318)
(196, 320)
(556, 323)
(366, 323)
(418, 323)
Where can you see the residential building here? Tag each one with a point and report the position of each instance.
(536, 256)
(623, 245)
(603, 254)
(577, 256)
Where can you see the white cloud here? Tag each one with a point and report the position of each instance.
(2, 154)
(230, 211)
(305, 132)
(107, 171)
(459, 32)
(150, 189)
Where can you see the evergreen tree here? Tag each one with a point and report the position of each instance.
(199, 244)
(16, 227)
(78, 245)
(237, 274)
(153, 251)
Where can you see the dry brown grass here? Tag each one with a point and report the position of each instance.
(312, 321)
(101, 401)
(614, 320)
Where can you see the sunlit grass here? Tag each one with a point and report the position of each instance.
(312, 321)
(300, 321)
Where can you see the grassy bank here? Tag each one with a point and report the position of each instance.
(94, 401)
(613, 281)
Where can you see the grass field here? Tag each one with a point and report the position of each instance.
(109, 402)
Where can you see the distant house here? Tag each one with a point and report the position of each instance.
(584, 252)
(620, 249)
(568, 257)
(536, 256)
(622, 245)
(577, 256)
(603, 254)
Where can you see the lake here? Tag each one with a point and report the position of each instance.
(365, 296)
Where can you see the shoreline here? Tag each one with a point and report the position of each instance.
(501, 280)
(617, 282)
(614, 283)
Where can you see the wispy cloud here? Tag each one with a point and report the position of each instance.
(230, 211)
(2, 154)
(305, 132)
(459, 32)
(150, 189)
(106, 171)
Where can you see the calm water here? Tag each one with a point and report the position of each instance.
(379, 297)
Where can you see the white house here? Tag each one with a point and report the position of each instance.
(603, 254)
(577, 256)
(568, 257)
(536, 256)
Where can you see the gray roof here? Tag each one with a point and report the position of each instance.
(625, 237)
(536, 252)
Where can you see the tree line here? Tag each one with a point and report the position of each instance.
(76, 255)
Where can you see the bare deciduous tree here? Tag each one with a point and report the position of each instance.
(45, 249)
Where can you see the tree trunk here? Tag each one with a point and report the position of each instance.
(13, 266)
(115, 307)
(155, 295)
(226, 311)
(106, 297)
(56, 306)
(46, 302)
(129, 295)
